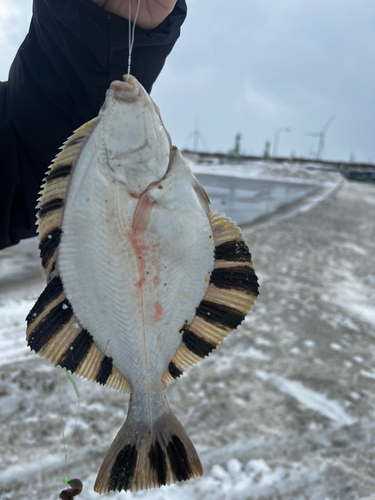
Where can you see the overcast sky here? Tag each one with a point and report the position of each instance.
(260, 65)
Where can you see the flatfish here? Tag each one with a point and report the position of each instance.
(143, 281)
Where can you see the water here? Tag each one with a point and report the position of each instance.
(245, 200)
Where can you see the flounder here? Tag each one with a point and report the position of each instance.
(143, 280)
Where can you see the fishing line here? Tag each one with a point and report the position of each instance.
(65, 443)
(132, 32)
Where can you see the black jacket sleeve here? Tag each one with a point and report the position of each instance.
(57, 82)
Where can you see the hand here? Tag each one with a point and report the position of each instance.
(151, 12)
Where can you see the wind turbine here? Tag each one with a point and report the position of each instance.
(321, 136)
(196, 135)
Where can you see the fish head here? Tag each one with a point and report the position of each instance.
(134, 143)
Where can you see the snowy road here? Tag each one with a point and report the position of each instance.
(283, 410)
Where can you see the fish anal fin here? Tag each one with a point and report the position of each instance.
(54, 332)
(232, 291)
(236, 299)
(223, 228)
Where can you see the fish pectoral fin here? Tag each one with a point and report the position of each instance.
(146, 456)
(232, 290)
(54, 333)
(142, 213)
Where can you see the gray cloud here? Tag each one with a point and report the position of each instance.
(254, 66)
(269, 64)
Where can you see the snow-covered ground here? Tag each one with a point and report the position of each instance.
(284, 409)
(289, 172)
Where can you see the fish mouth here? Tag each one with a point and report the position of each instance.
(127, 90)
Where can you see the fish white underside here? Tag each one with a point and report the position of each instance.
(134, 293)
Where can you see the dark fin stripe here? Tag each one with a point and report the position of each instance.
(235, 250)
(174, 371)
(73, 142)
(237, 278)
(104, 371)
(49, 244)
(77, 351)
(49, 294)
(50, 325)
(178, 459)
(61, 171)
(123, 469)
(196, 344)
(49, 206)
(220, 315)
(157, 462)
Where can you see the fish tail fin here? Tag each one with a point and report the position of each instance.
(143, 457)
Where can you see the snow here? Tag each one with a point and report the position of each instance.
(358, 359)
(253, 353)
(367, 374)
(355, 296)
(309, 343)
(354, 395)
(307, 397)
(336, 347)
(262, 341)
(12, 330)
(29, 469)
(283, 409)
(267, 171)
(19, 261)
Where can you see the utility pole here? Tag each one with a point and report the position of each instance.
(276, 139)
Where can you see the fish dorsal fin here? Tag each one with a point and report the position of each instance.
(52, 329)
(54, 332)
(54, 189)
(232, 291)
